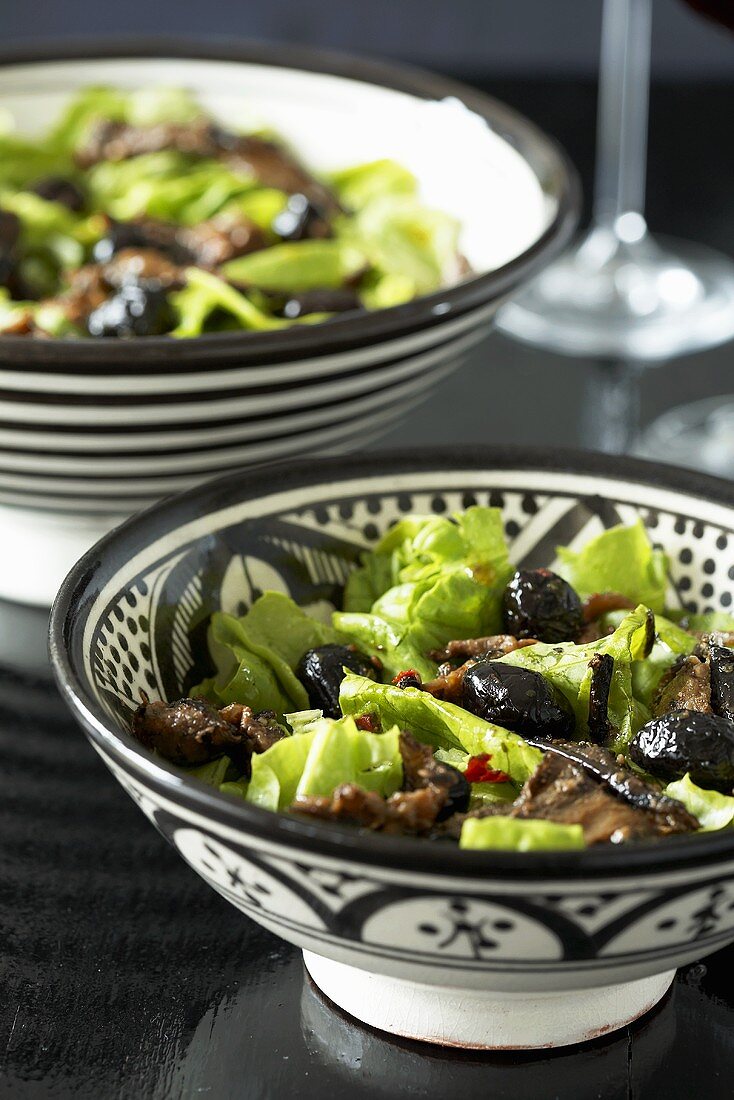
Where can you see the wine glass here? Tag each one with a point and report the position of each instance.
(621, 297)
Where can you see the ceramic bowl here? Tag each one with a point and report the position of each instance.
(469, 948)
(103, 427)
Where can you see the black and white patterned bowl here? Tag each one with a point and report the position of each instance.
(109, 426)
(474, 948)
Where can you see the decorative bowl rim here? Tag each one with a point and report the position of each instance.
(104, 560)
(339, 334)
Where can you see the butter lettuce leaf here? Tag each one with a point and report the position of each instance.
(256, 654)
(621, 559)
(713, 809)
(431, 579)
(323, 757)
(513, 834)
(440, 724)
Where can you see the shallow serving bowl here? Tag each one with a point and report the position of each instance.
(104, 427)
(472, 948)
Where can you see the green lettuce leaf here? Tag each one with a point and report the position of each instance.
(358, 186)
(513, 834)
(213, 773)
(713, 809)
(143, 107)
(621, 559)
(402, 237)
(319, 760)
(566, 666)
(671, 642)
(297, 266)
(707, 622)
(431, 579)
(440, 724)
(204, 294)
(255, 655)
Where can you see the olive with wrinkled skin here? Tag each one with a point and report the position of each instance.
(457, 787)
(300, 220)
(134, 310)
(321, 672)
(518, 699)
(537, 603)
(687, 741)
(721, 660)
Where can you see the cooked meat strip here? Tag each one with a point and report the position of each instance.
(604, 767)
(142, 265)
(449, 683)
(411, 812)
(261, 730)
(274, 167)
(496, 645)
(226, 236)
(422, 770)
(560, 790)
(723, 638)
(189, 731)
(600, 603)
(87, 290)
(109, 140)
(686, 687)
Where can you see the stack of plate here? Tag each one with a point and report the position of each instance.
(99, 428)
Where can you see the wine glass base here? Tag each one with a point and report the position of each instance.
(699, 435)
(641, 300)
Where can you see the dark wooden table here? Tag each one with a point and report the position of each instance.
(124, 976)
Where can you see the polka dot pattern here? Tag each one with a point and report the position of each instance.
(701, 566)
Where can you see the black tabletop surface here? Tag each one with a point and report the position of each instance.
(125, 976)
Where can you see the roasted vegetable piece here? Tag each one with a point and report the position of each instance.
(688, 741)
(537, 603)
(516, 698)
(135, 310)
(321, 672)
(722, 681)
(189, 731)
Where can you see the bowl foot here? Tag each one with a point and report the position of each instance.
(484, 1020)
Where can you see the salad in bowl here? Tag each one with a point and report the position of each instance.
(138, 214)
(458, 699)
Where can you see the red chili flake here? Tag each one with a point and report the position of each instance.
(478, 772)
(368, 722)
(408, 678)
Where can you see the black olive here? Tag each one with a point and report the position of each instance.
(518, 699)
(687, 741)
(301, 219)
(61, 190)
(539, 604)
(320, 301)
(144, 234)
(722, 681)
(10, 230)
(133, 311)
(602, 669)
(321, 672)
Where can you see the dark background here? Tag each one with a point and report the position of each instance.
(492, 38)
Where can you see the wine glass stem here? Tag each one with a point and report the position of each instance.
(613, 395)
(624, 83)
